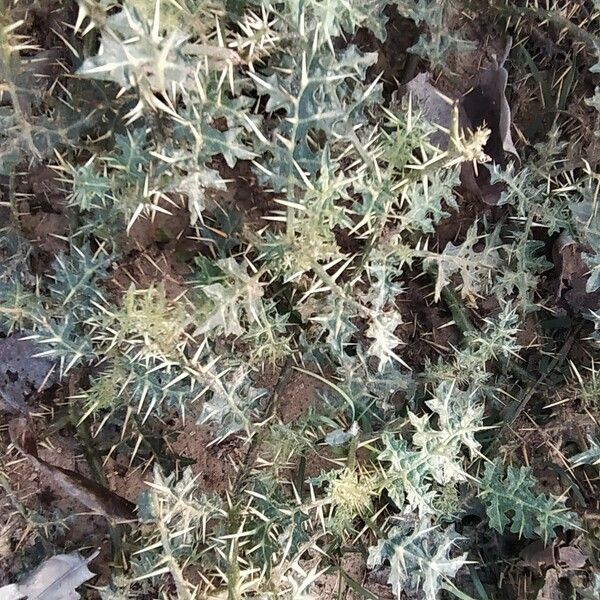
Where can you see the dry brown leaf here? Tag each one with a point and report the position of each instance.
(486, 105)
(55, 579)
(537, 555)
(572, 557)
(567, 261)
(92, 495)
(572, 274)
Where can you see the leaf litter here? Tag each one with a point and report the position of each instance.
(484, 104)
(86, 491)
(57, 578)
(22, 373)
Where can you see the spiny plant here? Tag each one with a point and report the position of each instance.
(151, 110)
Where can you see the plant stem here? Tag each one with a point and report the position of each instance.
(235, 514)
(95, 465)
(541, 15)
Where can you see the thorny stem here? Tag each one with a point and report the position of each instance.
(95, 464)
(463, 322)
(233, 572)
(457, 310)
(453, 156)
(553, 16)
(181, 585)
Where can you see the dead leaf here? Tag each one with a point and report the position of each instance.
(572, 274)
(437, 108)
(433, 106)
(91, 494)
(572, 557)
(55, 579)
(21, 373)
(486, 105)
(537, 555)
(550, 590)
(567, 261)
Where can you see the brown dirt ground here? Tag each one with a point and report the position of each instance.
(216, 465)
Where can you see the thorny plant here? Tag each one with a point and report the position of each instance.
(142, 108)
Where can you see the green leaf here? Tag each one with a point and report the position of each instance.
(197, 186)
(459, 418)
(510, 499)
(231, 404)
(407, 476)
(424, 200)
(381, 331)
(475, 267)
(132, 54)
(226, 143)
(334, 18)
(338, 325)
(76, 279)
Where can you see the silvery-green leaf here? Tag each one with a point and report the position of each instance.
(420, 560)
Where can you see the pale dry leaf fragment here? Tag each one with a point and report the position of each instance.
(91, 494)
(55, 579)
(21, 372)
(433, 105)
(550, 589)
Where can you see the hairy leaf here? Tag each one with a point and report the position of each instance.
(510, 499)
(420, 560)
